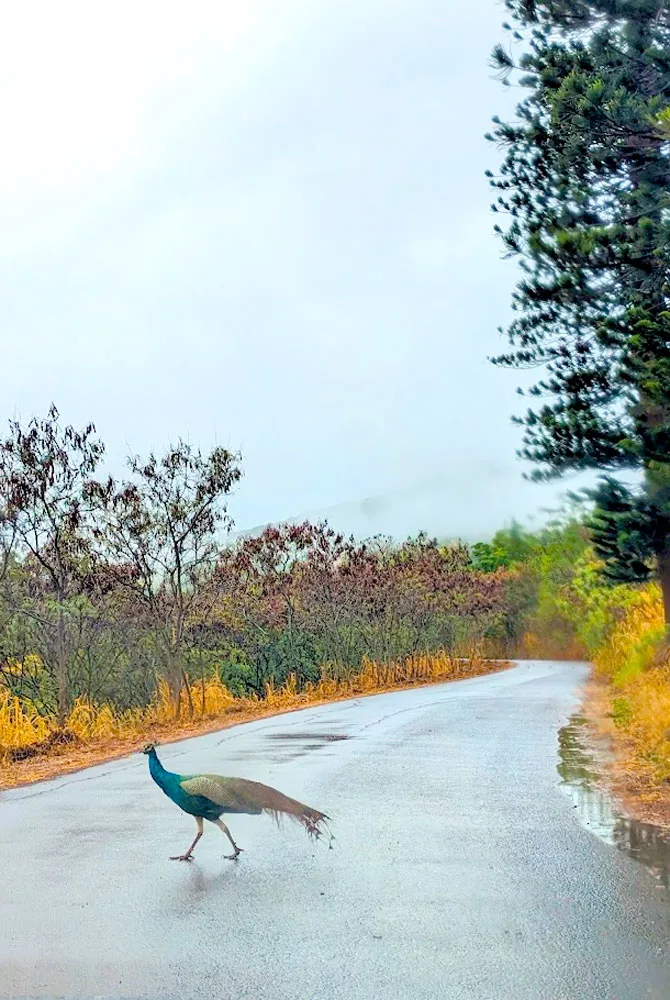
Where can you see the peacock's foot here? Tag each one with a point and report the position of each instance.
(233, 857)
(182, 857)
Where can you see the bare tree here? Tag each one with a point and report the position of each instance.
(158, 537)
(44, 472)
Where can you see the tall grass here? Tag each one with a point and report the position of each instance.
(634, 661)
(633, 642)
(26, 734)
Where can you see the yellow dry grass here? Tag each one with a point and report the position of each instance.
(98, 732)
(633, 643)
(630, 704)
(643, 714)
(533, 646)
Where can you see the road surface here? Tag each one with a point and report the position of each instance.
(460, 868)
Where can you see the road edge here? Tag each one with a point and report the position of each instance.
(68, 762)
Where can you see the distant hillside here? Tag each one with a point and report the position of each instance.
(446, 508)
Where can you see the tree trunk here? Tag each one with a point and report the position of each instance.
(658, 491)
(189, 693)
(173, 676)
(61, 671)
(664, 579)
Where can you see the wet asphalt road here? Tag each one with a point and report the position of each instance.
(460, 868)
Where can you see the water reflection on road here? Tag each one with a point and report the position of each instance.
(578, 768)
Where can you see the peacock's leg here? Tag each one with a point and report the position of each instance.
(238, 850)
(188, 856)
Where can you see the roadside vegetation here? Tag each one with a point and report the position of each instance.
(563, 605)
(581, 203)
(126, 611)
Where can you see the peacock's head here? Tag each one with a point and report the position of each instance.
(148, 747)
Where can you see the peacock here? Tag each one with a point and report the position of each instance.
(209, 796)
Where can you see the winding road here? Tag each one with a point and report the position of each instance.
(460, 869)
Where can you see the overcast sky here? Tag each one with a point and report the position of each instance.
(264, 223)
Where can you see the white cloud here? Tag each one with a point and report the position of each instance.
(262, 222)
(80, 80)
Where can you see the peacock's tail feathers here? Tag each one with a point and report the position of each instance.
(278, 805)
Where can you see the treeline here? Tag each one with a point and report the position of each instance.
(109, 587)
(568, 605)
(546, 572)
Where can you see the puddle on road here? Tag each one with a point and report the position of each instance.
(305, 742)
(305, 737)
(297, 745)
(597, 810)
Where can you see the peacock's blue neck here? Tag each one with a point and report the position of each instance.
(164, 779)
(170, 783)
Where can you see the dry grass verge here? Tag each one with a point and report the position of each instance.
(32, 748)
(628, 774)
(628, 705)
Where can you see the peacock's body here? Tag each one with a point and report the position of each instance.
(210, 796)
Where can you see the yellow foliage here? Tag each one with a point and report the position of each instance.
(31, 664)
(635, 662)
(646, 722)
(633, 641)
(19, 724)
(530, 645)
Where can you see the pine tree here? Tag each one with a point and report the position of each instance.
(585, 187)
